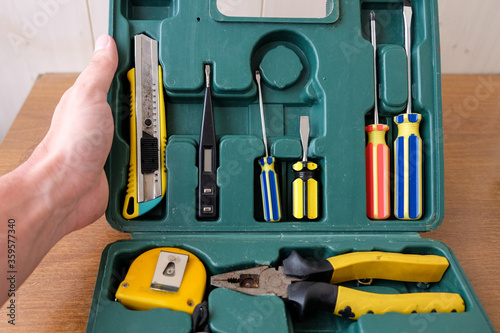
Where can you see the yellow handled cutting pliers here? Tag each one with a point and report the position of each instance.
(310, 285)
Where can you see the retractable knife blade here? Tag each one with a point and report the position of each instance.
(147, 179)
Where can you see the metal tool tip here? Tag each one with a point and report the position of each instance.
(407, 3)
(257, 75)
(207, 75)
(372, 15)
(144, 37)
(304, 123)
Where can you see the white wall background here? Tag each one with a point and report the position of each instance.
(41, 36)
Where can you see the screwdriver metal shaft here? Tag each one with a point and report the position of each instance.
(377, 153)
(408, 146)
(268, 178)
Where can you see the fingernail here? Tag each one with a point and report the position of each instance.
(101, 43)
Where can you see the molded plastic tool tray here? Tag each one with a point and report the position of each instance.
(220, 254)
(321, 68)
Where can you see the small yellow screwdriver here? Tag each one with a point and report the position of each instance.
(268, 178)
(305, 184)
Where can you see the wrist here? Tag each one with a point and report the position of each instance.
(45, 177)
(74, 188)
(28, 194)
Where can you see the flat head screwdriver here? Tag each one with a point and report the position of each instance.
(305, 184)
(268, 178)
(378, 206)
(408, 146)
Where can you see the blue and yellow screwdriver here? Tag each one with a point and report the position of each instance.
(268, 178)
(408, 147)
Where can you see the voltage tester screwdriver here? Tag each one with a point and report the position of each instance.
(268, 177)
(207, 158)
(305, 184)
(377, 153)
(408, 146)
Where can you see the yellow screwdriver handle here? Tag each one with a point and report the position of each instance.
(352, 303)
(305, 190)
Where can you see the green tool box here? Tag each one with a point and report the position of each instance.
(316, 67)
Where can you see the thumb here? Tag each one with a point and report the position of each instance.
(99, 73)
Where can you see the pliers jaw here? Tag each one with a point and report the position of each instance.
(256, 281)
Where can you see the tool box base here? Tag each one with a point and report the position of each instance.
(231, 311)
(220, 254)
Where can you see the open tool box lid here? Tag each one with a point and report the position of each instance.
(319, 67)
(324, 69)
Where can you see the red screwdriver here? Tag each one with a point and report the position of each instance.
(377, 153)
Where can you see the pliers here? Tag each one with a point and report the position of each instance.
(309, 285)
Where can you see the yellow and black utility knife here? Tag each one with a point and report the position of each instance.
(147, 179)
(311, 285)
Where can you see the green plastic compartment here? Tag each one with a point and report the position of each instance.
(221, 252)
(392, 78)
(322, 68)
(325, 72)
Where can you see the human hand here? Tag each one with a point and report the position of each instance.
(75, 149)
(62, 186)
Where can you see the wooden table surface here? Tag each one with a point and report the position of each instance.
(57, 296)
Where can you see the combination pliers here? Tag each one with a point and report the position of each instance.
(312, 285)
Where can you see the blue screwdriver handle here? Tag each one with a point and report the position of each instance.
(408, 168)
(269, 190)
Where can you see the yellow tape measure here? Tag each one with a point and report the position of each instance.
(164, 277)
